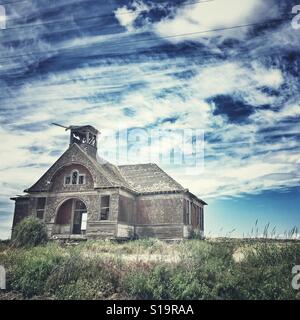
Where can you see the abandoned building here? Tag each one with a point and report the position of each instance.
(81, 196)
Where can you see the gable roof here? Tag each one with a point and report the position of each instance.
(137, 178)
(149, 178)
(104, 176)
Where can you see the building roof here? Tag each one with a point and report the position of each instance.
(138, 178)
(149, 178)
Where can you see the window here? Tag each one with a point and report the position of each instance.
(92, 139)
(40, 208)
(81, 179)
(201, 223)
(188, 212)
(75, 178)
(67, 180)
(197, 213)
(104, 210)
(78, 137)
(79, 212)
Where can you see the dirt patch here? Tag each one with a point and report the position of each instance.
(150, 257)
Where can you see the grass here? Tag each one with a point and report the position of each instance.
(191, 269)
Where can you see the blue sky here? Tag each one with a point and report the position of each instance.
(170, 65)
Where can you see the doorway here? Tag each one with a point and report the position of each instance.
(71, 217)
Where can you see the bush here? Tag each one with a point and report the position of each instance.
(78, 277)
(30, 232)
(28, 270)
(206, 270)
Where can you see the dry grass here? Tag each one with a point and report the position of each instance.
(152, 269)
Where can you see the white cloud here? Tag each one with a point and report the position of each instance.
(126, 17)
(211, 16)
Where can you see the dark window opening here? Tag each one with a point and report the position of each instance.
(81, 179)
(40, 208)
(68, 180)
(92, 139)
(198, 222)
(104, 210)
(78, 137)
(201, 219)
(188, 212)
(74, 177)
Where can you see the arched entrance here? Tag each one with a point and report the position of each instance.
(71, 217)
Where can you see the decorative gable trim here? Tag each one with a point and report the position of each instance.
(74, 155)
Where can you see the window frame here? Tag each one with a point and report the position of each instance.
(70, 176)
(101, 207)
(42, 209)
(77, 175)
(83, 176)
(189, 213)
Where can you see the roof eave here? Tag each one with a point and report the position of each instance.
(195, 197)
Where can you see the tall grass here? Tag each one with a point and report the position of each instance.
(203, 270)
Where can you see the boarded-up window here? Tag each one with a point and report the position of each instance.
(188, 215)
(193, 215)
(198, 214)
(187, 212)
(104, 210)
(40, 208)
(201, 219)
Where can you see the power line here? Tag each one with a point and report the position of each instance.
(150, 75)
(156, 38)
(18, 1)
(13, 2)
(91, 17)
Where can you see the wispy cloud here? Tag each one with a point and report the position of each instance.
(120, 71)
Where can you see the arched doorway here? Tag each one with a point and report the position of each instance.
(71, 217)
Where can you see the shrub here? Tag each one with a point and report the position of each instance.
(80, 277)
(196, 235)
(206, 270)
(29, 269)
(147, 284)
(30, 232)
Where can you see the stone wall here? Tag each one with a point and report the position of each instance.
(159, 215)
(91, 200)
(101, 229)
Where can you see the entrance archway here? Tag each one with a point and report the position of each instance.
(71, 217)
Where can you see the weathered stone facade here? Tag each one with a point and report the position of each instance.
(117, 202)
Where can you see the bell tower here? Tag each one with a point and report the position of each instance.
(85, 137)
